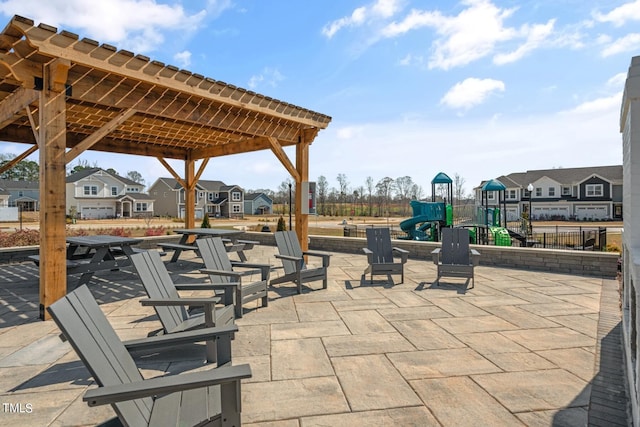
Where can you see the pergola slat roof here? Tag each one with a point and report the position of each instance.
(175, 110)
(65, 95)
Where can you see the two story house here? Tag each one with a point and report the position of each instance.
(591, 193)
(95, 193)
(214, 198)
(22, 194)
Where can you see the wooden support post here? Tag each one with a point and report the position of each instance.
(52, 139)
(189, 193)
(302, 167)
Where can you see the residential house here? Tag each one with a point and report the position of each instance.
(257, 204)
(95, 193)
(590, 193)
(215, 198)
(22, 194)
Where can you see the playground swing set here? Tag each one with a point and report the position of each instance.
(488, 225)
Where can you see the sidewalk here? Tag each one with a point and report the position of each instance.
(518, 349)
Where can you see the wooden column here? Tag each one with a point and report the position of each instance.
(302, 166)
(52, 141)
(189, 193)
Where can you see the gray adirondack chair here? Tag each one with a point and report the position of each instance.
(221, 272)
(180, 400)
(293, 262)
(455, 258)
(170, 308)
(380, 254)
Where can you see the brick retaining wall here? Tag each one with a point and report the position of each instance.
(588, 263)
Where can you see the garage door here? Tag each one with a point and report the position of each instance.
(549, 212)
(591, 212)
(98, 212)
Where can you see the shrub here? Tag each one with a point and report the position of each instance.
(205, 222)
(24, 237)
(120, 231)
(282, 226)
(155, 231)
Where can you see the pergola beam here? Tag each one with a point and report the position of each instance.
(18, 159)
(15, 102)
(282, 156)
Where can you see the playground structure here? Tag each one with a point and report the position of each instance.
(430, 217)
(487, 226)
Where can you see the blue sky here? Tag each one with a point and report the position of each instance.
(477, 88)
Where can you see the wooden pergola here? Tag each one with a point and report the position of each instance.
(64, 95)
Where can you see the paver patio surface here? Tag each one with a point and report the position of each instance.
(518, 349)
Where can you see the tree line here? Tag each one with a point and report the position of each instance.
(385, 197)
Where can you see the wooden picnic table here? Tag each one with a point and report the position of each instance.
(89, 254)
(187, 241)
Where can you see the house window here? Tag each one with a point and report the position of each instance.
(141, 207)
(20, 193)
(133, 190)
(210, 197)
(236, 196)
(235, 208)
(90, 190)
(566, 191)
(511, 194)
(491, 195)
(538, 191)
(552, 191)
(114, 191)
(594, 190)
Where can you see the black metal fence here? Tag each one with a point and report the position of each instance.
(576, 238)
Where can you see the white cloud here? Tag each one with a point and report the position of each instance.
(380, 9)
(183, 58)
(476, 32)
(621, 14)
(536, 36)
(617, 81)
(597, 106)
(628, 43)
(471, 92)
(269, 77)
(136, 25)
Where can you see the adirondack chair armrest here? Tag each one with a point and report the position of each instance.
(236, 274)
(369, 254)
(326, 256)
(197, 335)
(193, 286)
(404, 254)
(265, 269)
(435, 255)
(475, 257)
(168, 384)
(169, 302)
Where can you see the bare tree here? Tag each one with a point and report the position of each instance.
(370, 187)
(322, 188)
(458, 187)
(403, 187)
(344, 184)
(383, 190)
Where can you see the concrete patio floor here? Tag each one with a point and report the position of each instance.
(518, 349)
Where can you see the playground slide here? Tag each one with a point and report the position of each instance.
(410, 223)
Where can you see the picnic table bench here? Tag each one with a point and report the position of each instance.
(231, 245)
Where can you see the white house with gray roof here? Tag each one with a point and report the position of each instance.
(215, 198)
(590, 193)
(95, 193)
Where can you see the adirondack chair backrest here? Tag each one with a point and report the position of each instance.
(215, 257)
(288, 244)
(379, 242)
(92, 337)
(159, 285)
(455, 246)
